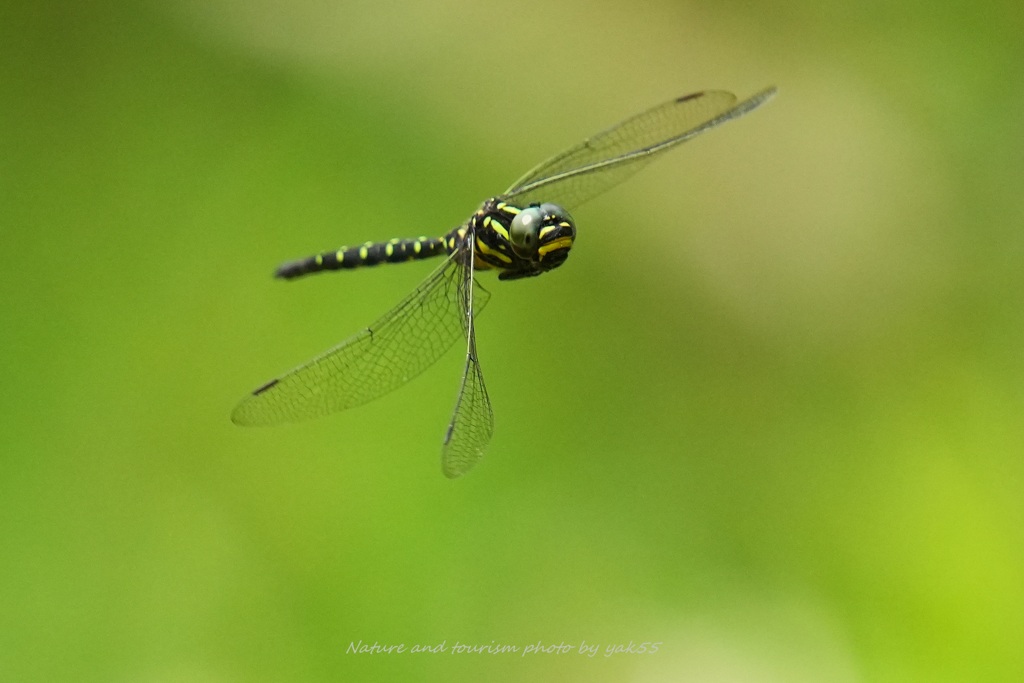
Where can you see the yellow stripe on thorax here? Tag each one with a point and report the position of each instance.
(486, 250)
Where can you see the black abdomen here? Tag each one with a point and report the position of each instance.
(369, 254)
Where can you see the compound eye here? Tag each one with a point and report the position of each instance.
(524, 231)
(555, 213)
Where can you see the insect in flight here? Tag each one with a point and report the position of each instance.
(523, 232)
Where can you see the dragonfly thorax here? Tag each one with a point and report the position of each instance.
(522, 241)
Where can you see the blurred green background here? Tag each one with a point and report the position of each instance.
(769, 414)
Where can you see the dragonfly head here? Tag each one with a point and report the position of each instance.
(542, 234)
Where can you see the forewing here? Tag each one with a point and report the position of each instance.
(397, 347)
(608, 158)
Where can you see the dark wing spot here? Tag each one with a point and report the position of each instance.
(266, 386)
(691, 96)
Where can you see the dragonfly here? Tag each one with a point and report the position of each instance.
(523, 232)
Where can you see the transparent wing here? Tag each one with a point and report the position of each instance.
(608, 158)
(397, 347)
(472, 421)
